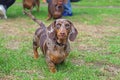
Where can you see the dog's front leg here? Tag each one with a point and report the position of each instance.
(35, 53)
(35, 47)
(38, 5)
(51, 65)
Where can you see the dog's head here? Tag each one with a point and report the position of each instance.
(58, 8)
(62, 30)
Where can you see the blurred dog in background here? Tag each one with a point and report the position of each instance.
(55, 8)
(30, 4)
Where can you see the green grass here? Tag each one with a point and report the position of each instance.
(95, 54)
(98, 3)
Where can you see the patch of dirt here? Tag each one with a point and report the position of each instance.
(110, 20)
(78, 62)
(90, 48)
(8, 30)
(41, 76)
(89, 32)
(13, 27)
(15, 32)
(112, 69)
(8, 77)
(96, 31)
(93, 31)
(13, 77)
(13, 44)
(106, 68)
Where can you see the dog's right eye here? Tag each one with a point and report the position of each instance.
(58, 26)
(67, 26)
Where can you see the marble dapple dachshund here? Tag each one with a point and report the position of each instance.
(53, 40)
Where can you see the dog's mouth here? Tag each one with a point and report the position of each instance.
(61, 40)
(62, 36)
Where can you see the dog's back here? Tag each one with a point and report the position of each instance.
(40, 36)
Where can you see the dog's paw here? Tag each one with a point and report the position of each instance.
(53, 70)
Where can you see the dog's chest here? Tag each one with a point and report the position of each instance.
(56, 53)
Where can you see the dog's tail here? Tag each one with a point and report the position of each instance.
(34, 19)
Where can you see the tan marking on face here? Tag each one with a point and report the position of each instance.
(63, 28)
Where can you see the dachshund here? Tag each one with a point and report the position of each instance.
(53, 40)
(29, 4)
(55, 8)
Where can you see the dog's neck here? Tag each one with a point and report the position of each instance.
(57, 41)
(61, 42)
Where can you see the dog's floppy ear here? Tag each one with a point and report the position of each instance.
(51, 30)
(73, 32)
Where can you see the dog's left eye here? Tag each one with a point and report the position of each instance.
(67, 26)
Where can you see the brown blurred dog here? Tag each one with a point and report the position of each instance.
(55, 8)
(30, 4)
